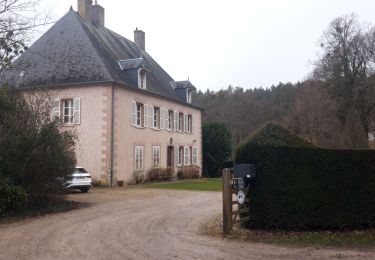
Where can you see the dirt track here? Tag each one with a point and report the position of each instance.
(140, 224)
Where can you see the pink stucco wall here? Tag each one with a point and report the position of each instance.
(93, 147)
(127, 136)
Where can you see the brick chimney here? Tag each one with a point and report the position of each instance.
(139, 39)
(90, 13)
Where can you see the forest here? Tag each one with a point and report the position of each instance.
(333, 107)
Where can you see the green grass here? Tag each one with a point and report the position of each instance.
(198, 185)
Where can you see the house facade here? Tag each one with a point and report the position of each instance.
(128, 114)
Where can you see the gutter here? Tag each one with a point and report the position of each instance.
(112, 134)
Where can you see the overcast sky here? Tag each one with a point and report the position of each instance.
(217, 43)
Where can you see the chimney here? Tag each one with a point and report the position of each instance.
(84, 9)
(97, 15)
(93, 14)
(139, 39)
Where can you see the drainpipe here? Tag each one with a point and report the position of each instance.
(112, 135)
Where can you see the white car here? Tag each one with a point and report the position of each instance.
(80, 179)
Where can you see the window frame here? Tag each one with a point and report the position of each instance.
(142, 79)
(70, 111)
(180, 155)
(156, 156)
(138, 160)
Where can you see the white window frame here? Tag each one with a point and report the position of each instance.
(156, 117)
(70, 114)
(142, 79)
(156, 156)
(187, 155)
(170, 120)
(189, 123)
(138, 114)
(180, 122)
(138, 158)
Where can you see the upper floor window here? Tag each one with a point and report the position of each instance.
(137, 114)
(142, 79)
(189, 123)
(170, 120)
(189, 96)
(156, 118)
(180, 122)
(68, 110)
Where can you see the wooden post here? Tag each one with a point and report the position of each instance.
(227, 202)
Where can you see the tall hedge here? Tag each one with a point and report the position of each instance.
(299, 186)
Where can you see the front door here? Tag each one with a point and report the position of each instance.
(170, 161)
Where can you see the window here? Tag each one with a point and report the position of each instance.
(156, 156)
(138, 158)
(189, 96)
(170, 120)
(137, 114)
(156, 118)
(142, 78)
(180, 153)
(68, 111)
(180, 121)
(187, 155)
(189, 123)
(195, 156)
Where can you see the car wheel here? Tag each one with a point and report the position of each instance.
(84, 190)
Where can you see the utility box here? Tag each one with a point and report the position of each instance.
(245, 171)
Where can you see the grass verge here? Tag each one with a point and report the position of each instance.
(214, 184)
(348, 239)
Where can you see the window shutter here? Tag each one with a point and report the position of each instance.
(177, 151)
(77, 111)
(176, 121)
(167, 119)
(145, 116)
(56, 110)
(151, 113)
(192, 124)
(185, 122)
(133, 113)
(195, 155)
(161, 118)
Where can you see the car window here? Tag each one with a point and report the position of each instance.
(81, 170)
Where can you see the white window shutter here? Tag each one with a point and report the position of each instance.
(133, 113)
(77, 111)
(145, 116)
(176, 121)
(185, 122)
(56, 110)
(151, 113)
(167, 119)
(192, 124)
(161, 118)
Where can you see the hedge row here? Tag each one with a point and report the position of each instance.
(308, 187)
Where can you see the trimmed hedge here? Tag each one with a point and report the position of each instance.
(299, 188)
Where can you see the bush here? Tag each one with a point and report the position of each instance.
(299, 186)
(159, 174)
(11, 197)
(138, 177)
(188, 172)
(217, 147)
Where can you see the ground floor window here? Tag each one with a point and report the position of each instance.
(180, 154)
(156, 156)
(138, 158)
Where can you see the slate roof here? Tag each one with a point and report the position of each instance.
(75, 52)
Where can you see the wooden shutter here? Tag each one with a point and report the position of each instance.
(176, 121)
(192, 124)
(56, 110)
(161, 118)
(151, 117)
(145, 115)
(185, 122)
(134, 113)
(195, 155)
(77, 111)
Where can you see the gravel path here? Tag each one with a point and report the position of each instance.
(140, 224)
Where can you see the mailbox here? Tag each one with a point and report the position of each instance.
(245, 171)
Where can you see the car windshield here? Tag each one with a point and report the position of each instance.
(80, 170)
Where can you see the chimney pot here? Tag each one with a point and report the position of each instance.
(139, 39)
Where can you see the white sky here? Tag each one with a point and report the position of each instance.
(247, 43)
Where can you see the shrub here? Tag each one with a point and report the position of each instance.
(217, 148)
(299, 186)
(138, 177)
(188, 172)
(11, 197)
(159, 174)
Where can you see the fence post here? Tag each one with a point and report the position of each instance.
(227, 202)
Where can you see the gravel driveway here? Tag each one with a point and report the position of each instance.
(140, 224)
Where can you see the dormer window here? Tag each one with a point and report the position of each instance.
(142, 78)
(189, 96)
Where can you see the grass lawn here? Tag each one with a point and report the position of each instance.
(213, 184)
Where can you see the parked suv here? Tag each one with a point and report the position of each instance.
(80, 179)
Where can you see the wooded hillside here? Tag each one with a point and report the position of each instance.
(333, 107)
